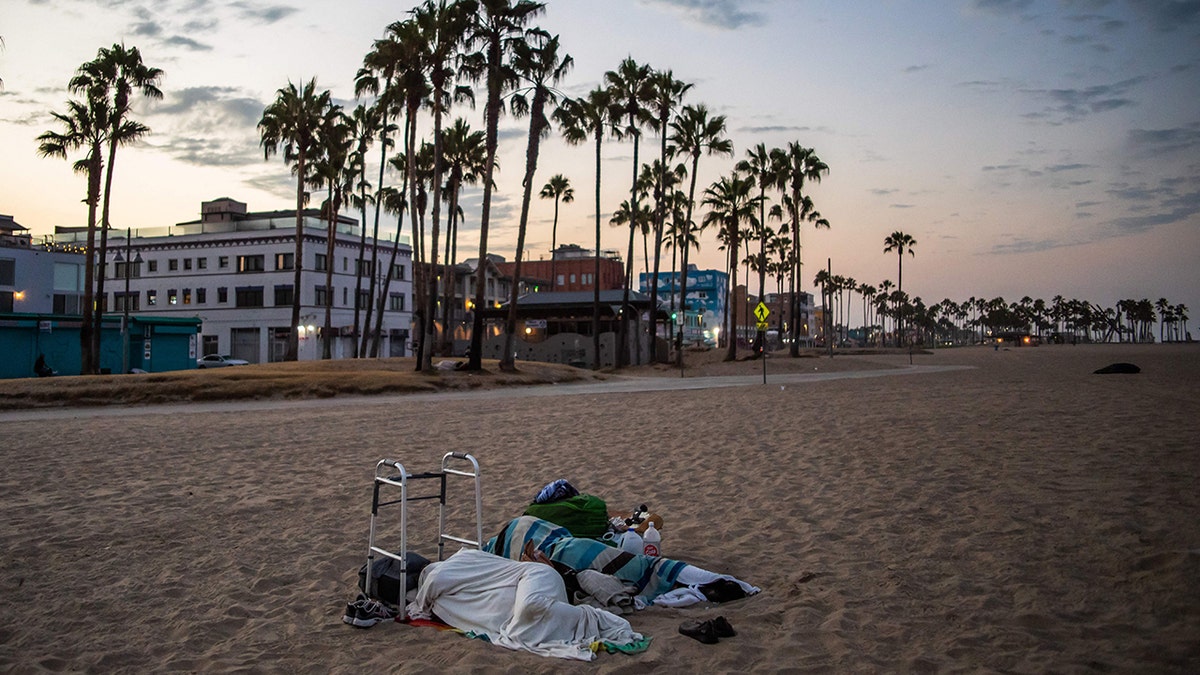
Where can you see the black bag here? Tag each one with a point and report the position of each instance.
(386, 582)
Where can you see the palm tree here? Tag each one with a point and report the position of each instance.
(632, 92)
(498, 25)
(363, 125)
(559, 189)
(730, 203)
(443, 27)
(464, 153)
(668, 94)
(116, 73)
(797, 166)
(291, 121)
(900, 243)
(542, 68)
(765, 169)
(393, 201)
(581, 119)
(379, 76)
(85, 125)
(331, 169)
(695, 133)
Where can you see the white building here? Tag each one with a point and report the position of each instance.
(234, 270)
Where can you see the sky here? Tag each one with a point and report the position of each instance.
(1031, 147)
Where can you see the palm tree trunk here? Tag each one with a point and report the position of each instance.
(531, 159)
(293, 348)
(88, 364)
(362, 253)
(596, 276)
(683, 261)
(623, 343)
(102, 258)
(327, 330)
(493, 113)
(366, 336)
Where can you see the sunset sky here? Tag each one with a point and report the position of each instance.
(1032, 147)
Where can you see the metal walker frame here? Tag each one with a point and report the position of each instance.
(399, 478)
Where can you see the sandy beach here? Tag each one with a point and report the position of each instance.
(1021, 515)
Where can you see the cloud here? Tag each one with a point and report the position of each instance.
(186, 43)
(1002, 7)
(1161, 141)
(1056, 168)
(208, 126)
(1071, 105)
(883, 192)
(1168, 15)
(726, 14)
(264, 14)
(916, 69)
(779, 128)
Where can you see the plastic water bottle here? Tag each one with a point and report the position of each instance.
(632, 542)
(652, 541)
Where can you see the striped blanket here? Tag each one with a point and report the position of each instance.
(651, 575)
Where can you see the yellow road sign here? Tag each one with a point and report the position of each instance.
(762, 325)
(762, 312)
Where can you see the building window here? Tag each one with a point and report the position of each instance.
(345, 296)
(151, 297)
(187, 263)
(8, 271)
(202, 263)
(396, 302)
(364, 267)
(398, 272)
(283, 295)
(249, 296)
(6, 301)
(364, 299)
(210, 345)
(250, 263)
(201, 295)
(222, 295)
(124, 302)
(322, 296)
(346, 265)
(152, 265)
(67, 303)
(172, 297)
(285, 261)
(173, 264)
(187, 296)
(561, 280)
(222, 261)
(321, 262)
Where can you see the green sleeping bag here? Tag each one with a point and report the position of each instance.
(582, 515)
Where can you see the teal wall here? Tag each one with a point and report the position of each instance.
(24, 336)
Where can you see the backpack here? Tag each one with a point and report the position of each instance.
(386, 582)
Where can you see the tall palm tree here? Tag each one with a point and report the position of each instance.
(465, 154)
(117, 72)
(497, 26)
(443, 27)
(592, 116)
(331, 170)
(393, 201)
(900, 243)
(798, 166)
(291, 121)
(765, 168)
(730, 203)
(85, 125)
(541, 67)
(559, 189)
(363, 124)
(632, 92)
(379, 77)
(668, 95)
(694, 133)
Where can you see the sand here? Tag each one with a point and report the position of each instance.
(1022, 515)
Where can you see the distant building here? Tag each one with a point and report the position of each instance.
(704, 310)
(572, 268)
(38, 278)
(234, 270)
(460, 315)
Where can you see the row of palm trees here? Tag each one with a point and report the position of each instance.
(973, 319)
(97, 122)
(427, 61)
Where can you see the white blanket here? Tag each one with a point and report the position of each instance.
(518, 605)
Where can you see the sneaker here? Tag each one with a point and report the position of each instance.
(352, 609)
(367, 613)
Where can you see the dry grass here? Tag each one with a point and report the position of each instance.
(365, 377)
(295, 380)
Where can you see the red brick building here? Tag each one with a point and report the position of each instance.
(571, 269)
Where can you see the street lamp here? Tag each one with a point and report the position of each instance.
(129, 262)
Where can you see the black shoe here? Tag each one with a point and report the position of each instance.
(722, 628)
(722, 590)
(367, 613)
(701, 631)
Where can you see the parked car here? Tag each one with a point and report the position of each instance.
(219, 361)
